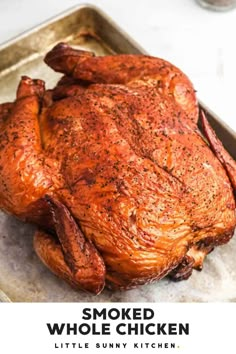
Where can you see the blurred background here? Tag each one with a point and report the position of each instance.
(198, 41)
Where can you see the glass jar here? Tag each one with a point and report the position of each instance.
(218, 5)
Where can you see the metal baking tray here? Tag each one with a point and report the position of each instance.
(23, 278)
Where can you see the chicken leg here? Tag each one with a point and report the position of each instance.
(223, 156)
(126, 69)
(74, 259)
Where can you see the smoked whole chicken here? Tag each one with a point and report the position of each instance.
(111, 166)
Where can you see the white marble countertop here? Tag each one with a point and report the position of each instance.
(198, 41)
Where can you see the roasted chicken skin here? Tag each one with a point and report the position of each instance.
(111, 166)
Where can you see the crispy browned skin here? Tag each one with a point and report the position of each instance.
(111, 162)
(131, 70)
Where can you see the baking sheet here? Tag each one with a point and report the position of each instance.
(22, 275)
